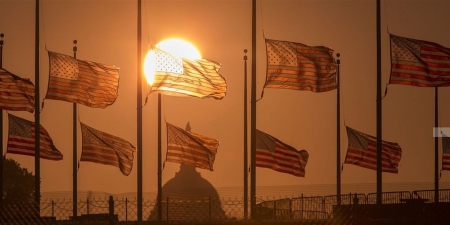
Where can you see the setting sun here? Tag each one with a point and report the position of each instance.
(174, 46)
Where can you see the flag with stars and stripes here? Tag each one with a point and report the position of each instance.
(445, 152)
(21, 139)
(179, 76)
(103, 148)
(362, 151)
(16, 93)
(297, 66)
(189, 148)
(84, 82)
(419, 63)
(273, 154)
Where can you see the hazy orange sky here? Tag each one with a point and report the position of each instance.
(106, 32)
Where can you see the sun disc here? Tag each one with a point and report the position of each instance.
(174, 46)
(179, 48)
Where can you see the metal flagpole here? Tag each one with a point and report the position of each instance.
(159, 161)
(436, 146)
(338, 133)
(1, 128)
(379, 111)
(245, 140)
(37, 117)
(75, 155)
(253, 116)
(139, 116)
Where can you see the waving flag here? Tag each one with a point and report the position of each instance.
(419, 63)
(88, 83)
(103, 148)
(183, 77)
(16, 94)
(362, 151)
(273, 154)
(21, 139)
(189, 148)
(297, 66)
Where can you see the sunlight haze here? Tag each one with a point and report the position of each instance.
(106, 32)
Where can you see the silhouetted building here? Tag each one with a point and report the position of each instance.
(188, 196)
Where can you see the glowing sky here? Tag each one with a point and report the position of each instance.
(106, 32)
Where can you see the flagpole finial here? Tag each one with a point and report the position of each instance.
(245, 50)
(1, 39)
(338, 61)
(75, 45)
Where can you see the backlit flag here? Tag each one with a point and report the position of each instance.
(419, 63)
(16, 94)
(362, 151)
(178, 76)
(21, 139)
(88, 83)
(297, 66)
(273, 154)
(189, 148)
(445, 152)
(103, 148)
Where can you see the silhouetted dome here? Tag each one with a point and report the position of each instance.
(190, 197)
(188, 183)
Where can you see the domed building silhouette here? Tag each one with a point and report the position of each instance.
(189, 196)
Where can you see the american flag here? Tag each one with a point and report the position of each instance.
(16, 94)
(419, 63)
(103, 148)
(445, 152)
(178, 76)
(362, 151)
(21, 139)
(297, 66)
(274, 154)
(189, 148)
(88, 83)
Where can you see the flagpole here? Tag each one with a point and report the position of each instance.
(74, 158)
(1, 128)
(253, 117)
(139, 117)
(436, 146)
(379, 111)
(338, 133)
(159, 161)
(245, 140)
(37, 116)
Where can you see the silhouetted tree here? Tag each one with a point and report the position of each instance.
(18, 183)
